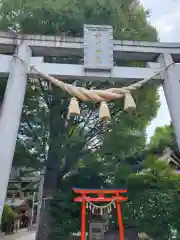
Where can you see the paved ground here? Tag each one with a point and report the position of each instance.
(23, 235)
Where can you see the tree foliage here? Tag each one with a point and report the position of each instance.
(164, 137)
(55, 18)
(83, 151)
(8, 218)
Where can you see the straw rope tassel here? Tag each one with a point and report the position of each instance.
(129, 103)
(74, 109)
(95, 95)
(104, 113)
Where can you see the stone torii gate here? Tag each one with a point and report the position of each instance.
(98, 66)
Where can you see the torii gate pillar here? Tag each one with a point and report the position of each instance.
(10, 114)
(171, 85)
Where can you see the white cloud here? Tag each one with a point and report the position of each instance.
(165, 16)
(168, 24)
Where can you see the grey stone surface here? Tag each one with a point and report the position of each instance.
(171, 87)
(10, 117)
(1, 235)
(64, 46)
(25, 235)
(98, 47)
(124, 75)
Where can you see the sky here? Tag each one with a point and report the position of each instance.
(165, 16)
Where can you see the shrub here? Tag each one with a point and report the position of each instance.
(8, 218)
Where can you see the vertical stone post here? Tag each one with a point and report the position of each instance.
(10, 116)
(171, 87)
(39, 199)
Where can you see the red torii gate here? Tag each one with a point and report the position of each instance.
(84, 198)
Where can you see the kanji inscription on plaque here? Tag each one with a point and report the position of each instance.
(98, 47)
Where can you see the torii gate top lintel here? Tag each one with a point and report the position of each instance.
(100, 52)
(46, 45)
(101, 195)
(96, 191)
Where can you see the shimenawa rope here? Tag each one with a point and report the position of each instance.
(94, 95)
(101, 209)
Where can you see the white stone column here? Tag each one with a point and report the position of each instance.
(171, 85)
(10, 114)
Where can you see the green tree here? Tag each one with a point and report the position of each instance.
(153, 194)
(164, 137)
(49, 137)
(7, 219)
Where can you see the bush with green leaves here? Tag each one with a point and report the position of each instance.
(8, 218)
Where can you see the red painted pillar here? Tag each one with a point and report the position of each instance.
(83, 220)
(120, 221)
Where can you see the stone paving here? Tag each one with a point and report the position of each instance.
(23, 235)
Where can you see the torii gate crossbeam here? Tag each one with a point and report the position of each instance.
(32, 49)
(42, 45)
